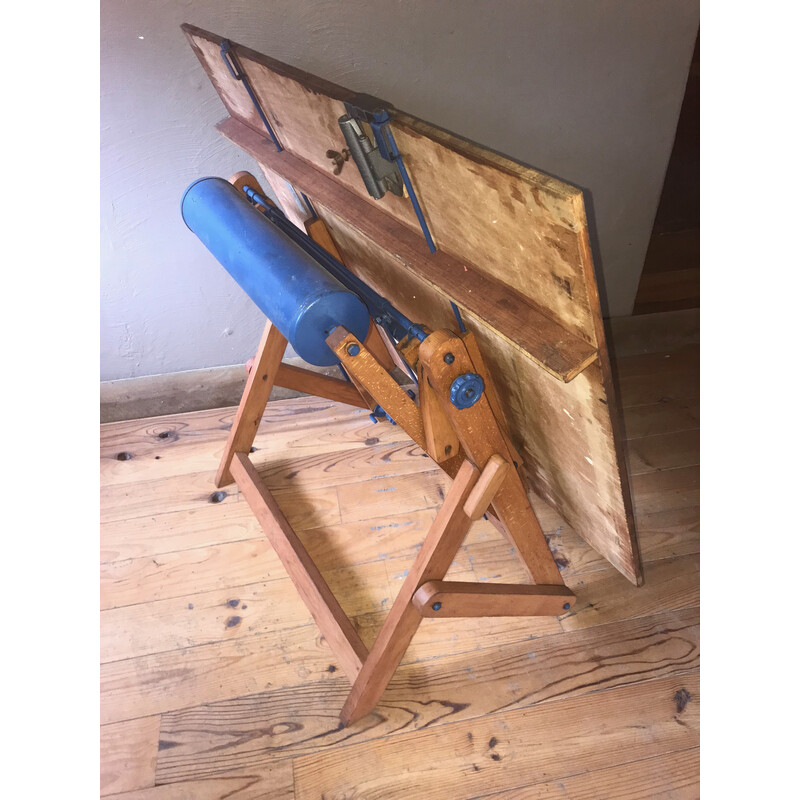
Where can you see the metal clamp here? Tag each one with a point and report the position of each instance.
(383, 170)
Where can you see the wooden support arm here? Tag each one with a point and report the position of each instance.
(463, 599)
(304, 380)
(362, 365)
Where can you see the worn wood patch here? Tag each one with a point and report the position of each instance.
(128, 753)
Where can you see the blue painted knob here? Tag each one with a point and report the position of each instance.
(466, 390)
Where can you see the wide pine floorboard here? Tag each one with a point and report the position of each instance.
(215, 683)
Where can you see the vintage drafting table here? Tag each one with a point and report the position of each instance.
(454, 227)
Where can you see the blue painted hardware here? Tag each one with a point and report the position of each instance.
(238, 74)
(379, 413)
(299, 296)
(466, 390)
(457, 314)
(377, 178)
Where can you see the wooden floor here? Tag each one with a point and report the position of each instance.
(216, 684)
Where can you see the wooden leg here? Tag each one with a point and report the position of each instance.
(254, 400)
(443, 357)
(432, 562)
(335, 625)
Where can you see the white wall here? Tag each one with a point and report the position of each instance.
(588, 90)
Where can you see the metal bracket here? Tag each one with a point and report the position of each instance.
(381, 166)
(379, 174)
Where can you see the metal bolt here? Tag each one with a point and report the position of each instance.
(449, 358)
(353, 349)
(566, 606)
(436, 606)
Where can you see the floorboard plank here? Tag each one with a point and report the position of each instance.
(664, 451)
(603, 597)
(234, 612)
(506, 750)
(661, 418)
(248, 731)
(142, 454)
(671, 776)
(273, 783)
(128, 754)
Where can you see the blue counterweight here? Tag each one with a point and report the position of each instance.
(301, 298)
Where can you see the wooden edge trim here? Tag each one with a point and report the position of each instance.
(304, 380)
(331, 619)
(535, 330)
(465, 599)
(480, 498)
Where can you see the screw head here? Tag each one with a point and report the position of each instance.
(353, 349)
(566, 606)
(436, 606)
(449, 358)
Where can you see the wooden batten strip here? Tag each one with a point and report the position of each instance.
(509, 314)
(334, 624)
(465, 599)
(304, 380)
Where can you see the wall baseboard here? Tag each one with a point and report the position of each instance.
(220, 387)
(179, 392)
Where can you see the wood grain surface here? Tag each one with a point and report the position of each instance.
(215, 682)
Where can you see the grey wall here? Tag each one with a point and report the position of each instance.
(588, 90)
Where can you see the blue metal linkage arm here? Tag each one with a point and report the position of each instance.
(238, 74)
(380, 309)
(388, 149)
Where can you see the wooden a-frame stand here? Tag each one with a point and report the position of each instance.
(470, 444)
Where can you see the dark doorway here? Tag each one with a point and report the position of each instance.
(671, 275)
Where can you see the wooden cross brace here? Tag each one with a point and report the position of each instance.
(470, 444)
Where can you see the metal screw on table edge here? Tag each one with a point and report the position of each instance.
(449, 358)
(353, 349)
(566, 606)
(436, 606)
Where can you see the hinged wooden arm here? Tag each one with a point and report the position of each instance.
(462, 599)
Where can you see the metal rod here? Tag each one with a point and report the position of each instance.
(381, 310)
(238, 74)
(381, 128)
(457, 313)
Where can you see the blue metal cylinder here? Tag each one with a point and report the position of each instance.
(302, 299)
